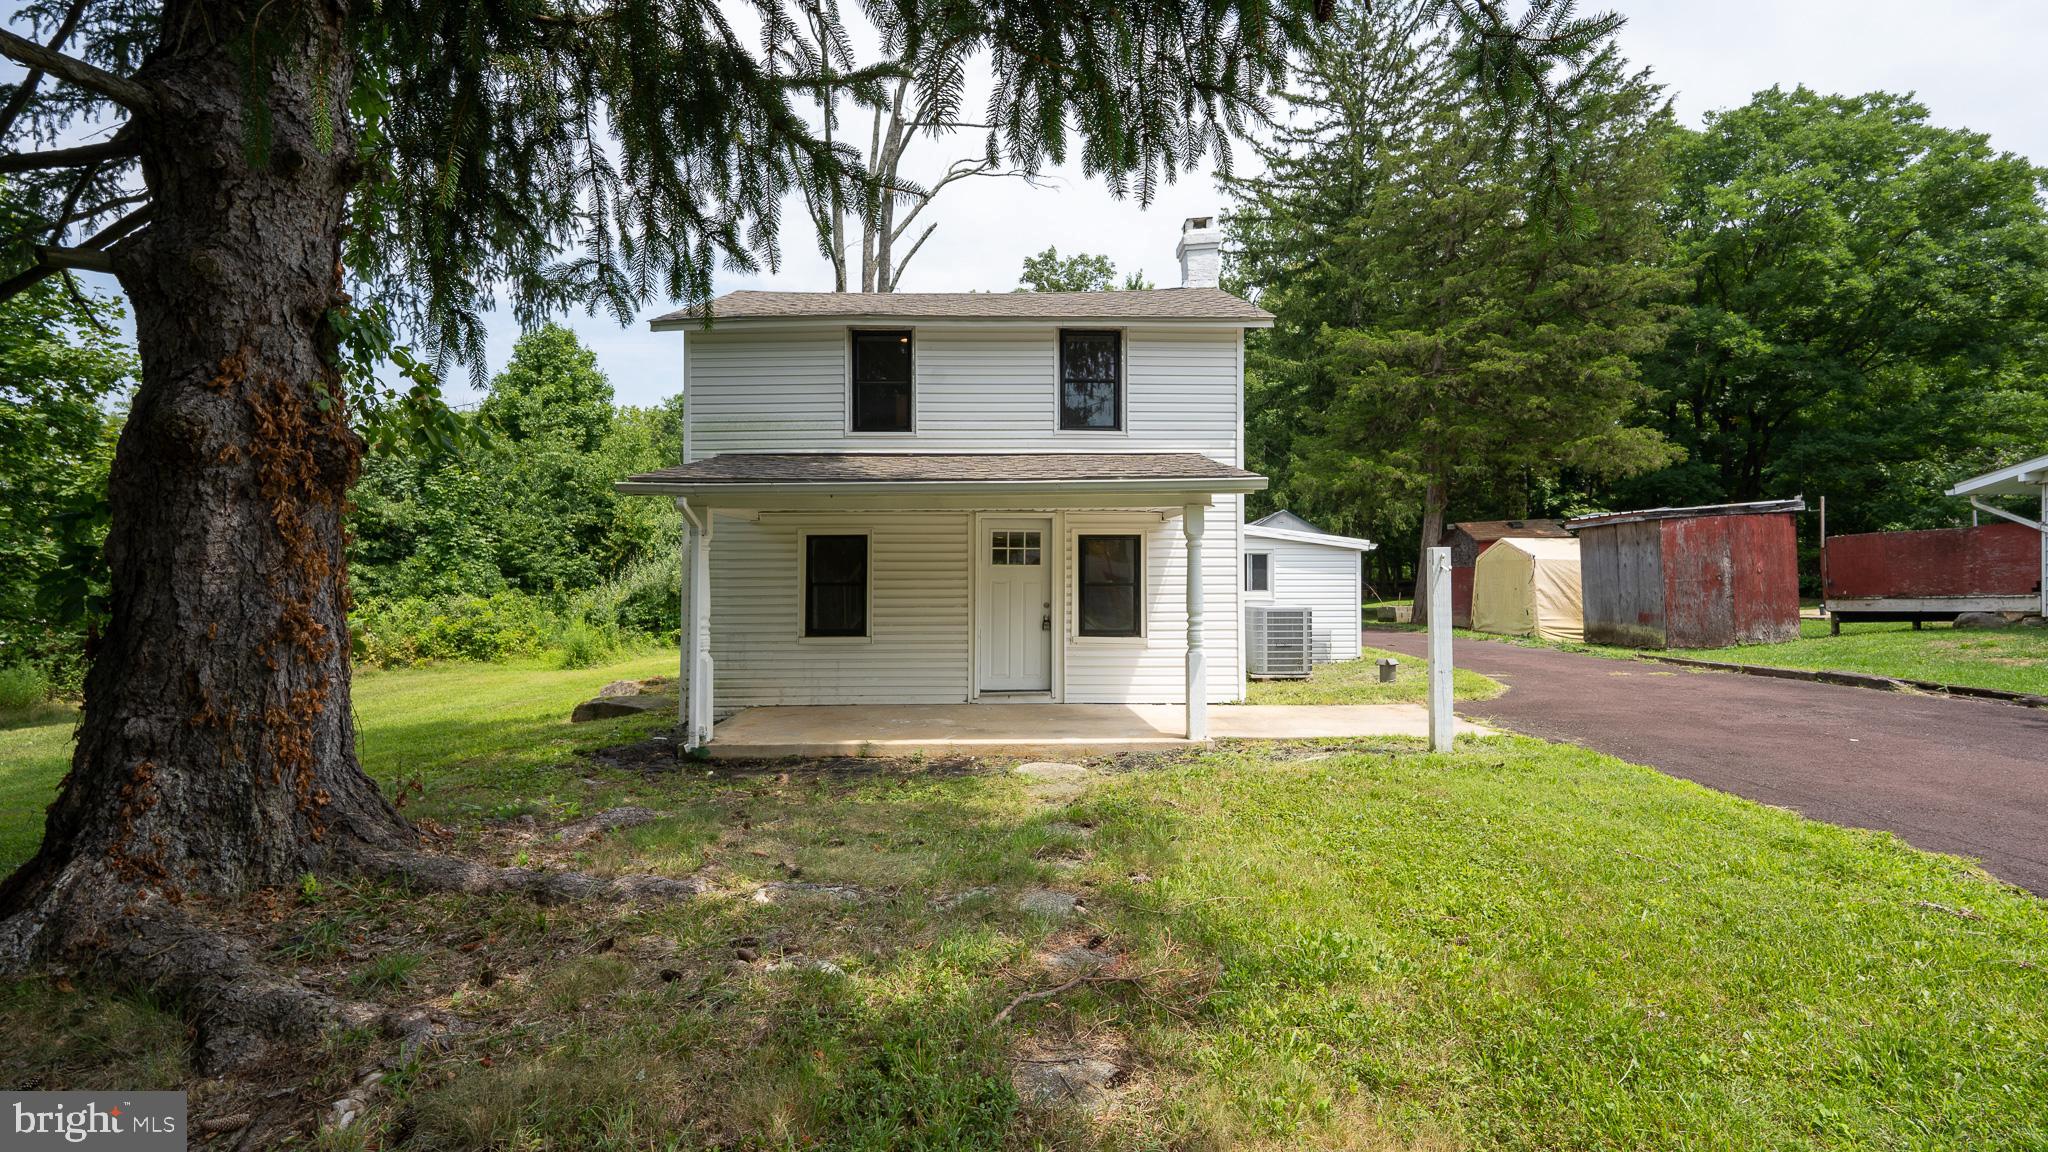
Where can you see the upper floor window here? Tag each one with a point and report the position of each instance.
(882, 382)
(1091, 380)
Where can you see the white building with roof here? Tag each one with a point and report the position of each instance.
(1290, 562)
(943, 498)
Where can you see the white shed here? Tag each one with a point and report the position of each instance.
(1289, 561)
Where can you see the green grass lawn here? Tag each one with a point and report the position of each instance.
(1358, 682)
(1515, 945)
(2012, 659)
(2009, 659)
(469, 734)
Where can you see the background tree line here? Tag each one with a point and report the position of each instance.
(510, 543)
(1814, 294)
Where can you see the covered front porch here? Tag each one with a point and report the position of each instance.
(1045, 731)
(848, 586)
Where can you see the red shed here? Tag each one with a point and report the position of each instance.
(1468, 538)
(1703, 577)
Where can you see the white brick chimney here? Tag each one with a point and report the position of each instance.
(1200, 251)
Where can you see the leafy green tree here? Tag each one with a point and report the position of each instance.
(551, 391)
(288, 184)
(1461, 326)
(61, 366)
(1082, 272)
(1864, 314)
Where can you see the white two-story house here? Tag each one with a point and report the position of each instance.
(948, 498)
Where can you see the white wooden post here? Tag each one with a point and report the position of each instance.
(700, 628)
(1437, 586)
(685, 626)
(1191, 526)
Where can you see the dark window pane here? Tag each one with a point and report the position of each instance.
(1109, 585)
(1091, 379)
(835, 586)
(882, 387)
(1088, 405)
(881, 407)
(1258, 574)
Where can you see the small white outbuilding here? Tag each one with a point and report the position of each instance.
(1525, 586)
(1291, 562)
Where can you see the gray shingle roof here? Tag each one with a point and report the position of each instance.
(839, 468)
(1147, 304)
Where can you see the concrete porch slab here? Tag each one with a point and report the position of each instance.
(1038, 730)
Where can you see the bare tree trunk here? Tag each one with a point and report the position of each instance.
(216, 754)
(1434, 498)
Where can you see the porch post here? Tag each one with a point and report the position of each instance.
(1191, 525)
(700, 631)
(686, 630)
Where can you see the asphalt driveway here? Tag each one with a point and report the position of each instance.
(1950, 775)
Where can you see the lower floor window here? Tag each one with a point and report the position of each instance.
(1109, 585)
(835, 585)
(1258, 572)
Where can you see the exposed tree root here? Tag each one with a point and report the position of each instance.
(240, 1008)
(609, 820)
(454, 874)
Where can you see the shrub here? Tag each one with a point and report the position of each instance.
(23, 688)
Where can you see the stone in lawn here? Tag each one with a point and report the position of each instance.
(1049, 782)
(1066, 1080)
(1048, 902)
(620, 688)
(1062, 828)
(948, 903)
(1983, 620)
(607, 707)
(838, 893)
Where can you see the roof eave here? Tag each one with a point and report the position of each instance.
(2017, 480)
(726, 323)
(1327, 539)
(1193, 486)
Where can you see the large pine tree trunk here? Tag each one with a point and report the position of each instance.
(216, 753)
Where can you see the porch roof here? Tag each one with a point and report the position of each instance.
(741, 478)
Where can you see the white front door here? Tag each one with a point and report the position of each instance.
(1014, 632)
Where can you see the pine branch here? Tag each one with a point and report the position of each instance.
(120, 146)
(29, 83)
(91, 255)
(119, 89)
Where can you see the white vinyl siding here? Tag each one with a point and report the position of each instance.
(916, 648)
(978, 389)
(1324, 580)
(1152, 668)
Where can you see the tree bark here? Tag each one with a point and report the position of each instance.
(216, 754)
(1434, 498)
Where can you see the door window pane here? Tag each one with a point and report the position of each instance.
(835, 585)
(882, 387)
(1013, 548)
(1109, 585)
(1091, 380)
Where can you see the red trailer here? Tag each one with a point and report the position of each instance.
(1931, 575)
(1703, 577)
(1468, 538)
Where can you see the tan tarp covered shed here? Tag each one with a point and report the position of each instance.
(1525, 586)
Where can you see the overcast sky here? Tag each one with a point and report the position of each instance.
(1974, 63)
